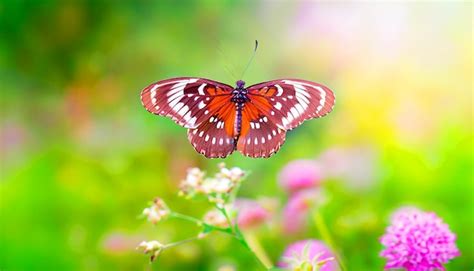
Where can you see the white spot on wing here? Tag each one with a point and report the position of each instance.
(187, 117)
(294, 112)
(201, 105)
(153, 91)
(299, 108)
(278, 105)
(183, 110)
(201, 89)
(177, 89)
(280, 90)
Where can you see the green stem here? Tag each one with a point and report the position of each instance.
(325, 234)
(186, 217)
(237, 234)
(198, 222)
(180, 242)
(224, 212)
(257, 248)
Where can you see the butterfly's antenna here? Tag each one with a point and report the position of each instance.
(226, 66)
(250, 60)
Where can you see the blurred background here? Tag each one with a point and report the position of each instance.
(80, 157)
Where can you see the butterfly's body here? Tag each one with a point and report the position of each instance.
(239, 97)
(253, 120)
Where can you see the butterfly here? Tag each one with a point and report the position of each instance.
(253, 120)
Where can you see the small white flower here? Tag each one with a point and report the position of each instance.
(194, 177)
(157, 211)
(223, 186)
(216, 189)
(236, 174)
(153, 248)
(193, 182)
(216, 218)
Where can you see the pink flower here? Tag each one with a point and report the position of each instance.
(296, 210)
(250, 213)
(418, 241)
(299, 175)
(308, 255)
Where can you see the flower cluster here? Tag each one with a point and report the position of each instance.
(220, 191)
(216, 189)
(157, 211)
(418, 241)
(308, 255)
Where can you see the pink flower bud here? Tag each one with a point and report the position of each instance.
(299, 175)
(250, 213)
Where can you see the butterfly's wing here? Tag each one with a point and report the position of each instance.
(215, 137)
(186, 100)
(204, 106)
(289, 102)
(276, 107)
(259, 136)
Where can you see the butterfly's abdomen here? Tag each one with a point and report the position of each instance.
(239, 98)
(238, 119)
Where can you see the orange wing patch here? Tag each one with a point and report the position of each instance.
(267, 91)
(219, 108)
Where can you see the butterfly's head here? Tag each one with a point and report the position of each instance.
(240, 84)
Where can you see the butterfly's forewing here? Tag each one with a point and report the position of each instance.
(289, 102)
(215, 137)
(260, 136)
(185, 100)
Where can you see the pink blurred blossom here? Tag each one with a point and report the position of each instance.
(296, 211)
(309, 253)
(300, 174)
(119, 243)
(418, 241)
(250, 213)
(356, 166)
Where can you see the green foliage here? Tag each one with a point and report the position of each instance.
(80, 157)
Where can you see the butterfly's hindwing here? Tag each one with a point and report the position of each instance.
(259, 137)
(215, 137)
(289, 102)
(186, 100)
